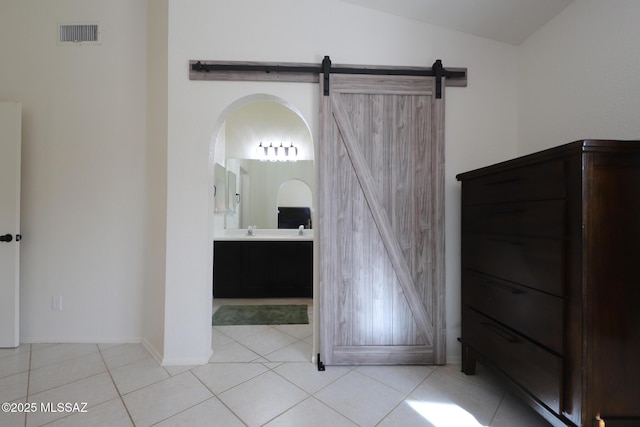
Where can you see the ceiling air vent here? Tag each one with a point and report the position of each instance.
(79, 33)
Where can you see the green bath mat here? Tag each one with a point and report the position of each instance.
(260, 315)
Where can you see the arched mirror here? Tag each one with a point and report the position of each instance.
(295, 201)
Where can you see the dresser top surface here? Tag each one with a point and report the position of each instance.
(572, 148)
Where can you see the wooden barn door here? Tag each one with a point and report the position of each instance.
(381, 221)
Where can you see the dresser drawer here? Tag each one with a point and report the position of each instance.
(532, 262)
(536, 182)
(542, 218)
(529, 365)
(533, 314)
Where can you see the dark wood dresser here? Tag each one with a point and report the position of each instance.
(551, 279)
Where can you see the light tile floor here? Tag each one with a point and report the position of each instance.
(258, 376)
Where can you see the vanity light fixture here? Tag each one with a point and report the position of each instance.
(261, 152)
(292, 153)
(281, 154)
(269, 153)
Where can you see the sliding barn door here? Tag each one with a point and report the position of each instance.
(381, 221)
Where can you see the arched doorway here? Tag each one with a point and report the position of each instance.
(240, 129)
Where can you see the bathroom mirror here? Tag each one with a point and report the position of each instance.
(268, 185)
(231, 186)
(257, 183)
(294, 204)
(220, 189)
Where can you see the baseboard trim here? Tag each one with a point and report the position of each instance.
(79, 340)
(187, 361)
(155, 354)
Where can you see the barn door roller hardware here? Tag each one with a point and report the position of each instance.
(291, 72)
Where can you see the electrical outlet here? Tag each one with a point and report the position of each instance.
(56, 303)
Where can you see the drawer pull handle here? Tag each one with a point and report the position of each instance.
(512, 289)
(508, 211)
(504, 181)
(501, 333)
(511, 242)
(515, 243)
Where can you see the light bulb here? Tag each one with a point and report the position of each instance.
(271, 153)
(292, 153)
(282, 156)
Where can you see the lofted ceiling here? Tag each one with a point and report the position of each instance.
(508, 21)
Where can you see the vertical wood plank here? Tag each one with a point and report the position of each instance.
(438, 248)
(328, 316)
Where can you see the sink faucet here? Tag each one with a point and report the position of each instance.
(301, 230)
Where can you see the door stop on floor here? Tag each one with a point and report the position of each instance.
(320, 364)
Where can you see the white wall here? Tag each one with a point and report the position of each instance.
(481, 122)
(265, 122)
(579, 76)
(131, 256)
(83, 175)
(156, 177)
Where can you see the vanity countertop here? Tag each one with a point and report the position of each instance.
(265, 235)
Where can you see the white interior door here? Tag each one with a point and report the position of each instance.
(10, 151)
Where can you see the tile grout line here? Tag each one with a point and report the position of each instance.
(129, 363)
(62, 385)
(390, 386)
(268, 369)
(406, 396)
(56, 363)
(282, 348)
(63, 360)
(214, 395)
(495, 413)
(313, 395)
(116, 387)
(28, 382)
(309, 396)
(239, 343)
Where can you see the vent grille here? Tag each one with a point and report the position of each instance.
(79, 33)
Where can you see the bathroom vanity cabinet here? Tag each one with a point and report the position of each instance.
(550, 279)
(262, 269)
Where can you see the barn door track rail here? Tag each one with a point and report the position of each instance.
(310, 73)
